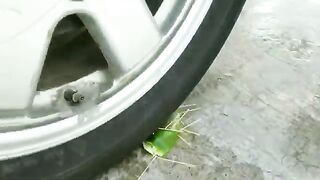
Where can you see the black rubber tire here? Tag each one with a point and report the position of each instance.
(94, 152)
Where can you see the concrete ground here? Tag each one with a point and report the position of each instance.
(259, 102)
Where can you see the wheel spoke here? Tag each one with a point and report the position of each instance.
(24, 39)
(124, 29)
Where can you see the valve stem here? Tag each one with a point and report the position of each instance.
(73, 96)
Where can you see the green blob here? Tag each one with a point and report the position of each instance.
(161, 142)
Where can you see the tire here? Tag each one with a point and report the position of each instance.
(84, 157)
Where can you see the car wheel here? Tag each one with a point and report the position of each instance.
(84, 82)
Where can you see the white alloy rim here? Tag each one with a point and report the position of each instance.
(139, 48)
